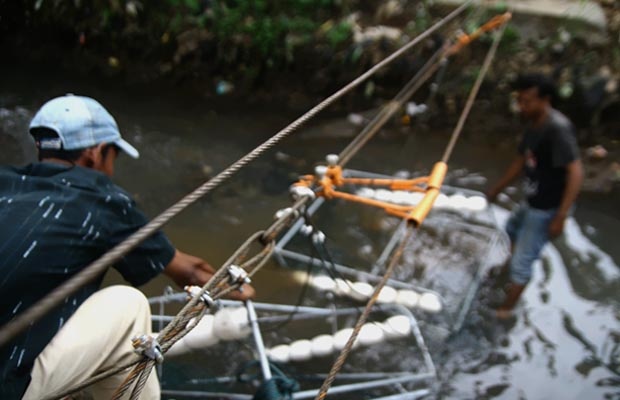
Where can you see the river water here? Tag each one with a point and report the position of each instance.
(565, 340)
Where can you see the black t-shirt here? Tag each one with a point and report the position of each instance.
(55, 220)
(548, 149)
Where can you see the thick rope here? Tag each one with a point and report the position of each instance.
(473, 94)
(95, 269)
(364, 316)
(370, 130)
(178, 327)
(410, 229)
(195, 310)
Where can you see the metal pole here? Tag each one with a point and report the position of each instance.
(258, 340)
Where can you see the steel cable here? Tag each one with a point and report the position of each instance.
(410, 227)
(177, 328)
(95, 269)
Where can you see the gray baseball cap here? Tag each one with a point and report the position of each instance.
(80, 122)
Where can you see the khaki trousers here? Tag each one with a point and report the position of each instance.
(95, 339)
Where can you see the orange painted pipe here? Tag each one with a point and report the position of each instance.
(435, 179)
(418, 214)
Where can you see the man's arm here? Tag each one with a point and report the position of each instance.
(574, 178)
(513, 171)
(185, 269)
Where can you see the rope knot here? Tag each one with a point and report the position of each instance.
(148, 346)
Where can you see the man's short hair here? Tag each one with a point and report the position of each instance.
(545, 86)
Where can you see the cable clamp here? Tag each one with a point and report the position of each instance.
(318, 237)
(148, 346)
(236, 274)
(299, 191)
(306, 230)
(286, 213)
(332, 160)
(206, 298)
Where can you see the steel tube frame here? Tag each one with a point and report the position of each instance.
(371, 380)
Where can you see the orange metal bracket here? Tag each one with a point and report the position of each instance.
(429, 185)
(464, 39)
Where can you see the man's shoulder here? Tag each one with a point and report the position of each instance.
(560, 122)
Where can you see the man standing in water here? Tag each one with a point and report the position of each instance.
(549, 158)
(57, 216)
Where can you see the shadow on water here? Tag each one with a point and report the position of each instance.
(565, 340)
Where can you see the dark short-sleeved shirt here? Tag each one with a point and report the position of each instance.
(548, 149)
(55, 220)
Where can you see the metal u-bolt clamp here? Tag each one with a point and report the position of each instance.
(206, 298)
(148, 346)
(238, 275)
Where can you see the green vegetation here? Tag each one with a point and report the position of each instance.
(248, 32)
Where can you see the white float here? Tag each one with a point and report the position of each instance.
(323, 283)
(370, 334)
(407, 298)
(477, 203)
(300, 350)
(361, 291)
(397, 326)
(343, 288)
(342, 337)
(198, 338)
(456, 201)
(322, 345)
(429, 302)
(280, 353)
(387, 295)
(231, 324)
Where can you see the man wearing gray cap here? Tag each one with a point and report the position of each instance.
(58, 216)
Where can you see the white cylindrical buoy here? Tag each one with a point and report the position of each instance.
(397, 326)
(280, 353)
(323, 283)
(387, 295)
(322, 345)
(202, 335)
(366, 192)
(457, 202)
(370, 334)
(429, 302)
(407, 298)
(198, 338)
(416, 197)
(477, 203)
(231, 324)
(442, 201)
(300, 350)
(342, 287)
(383, 195)
(400, 197)
(341, 337)
(361, 291)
